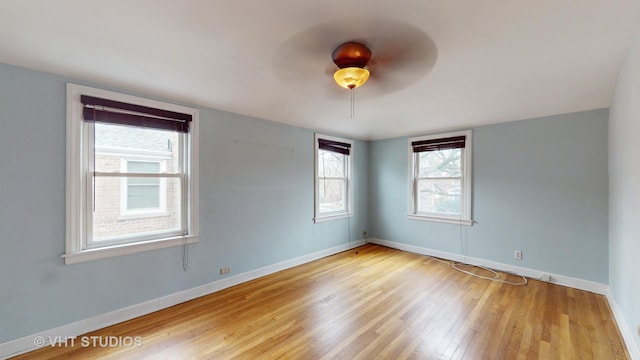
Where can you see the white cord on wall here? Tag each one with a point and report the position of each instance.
(496, 276)
(185, 254)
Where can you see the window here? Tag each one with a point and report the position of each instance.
(143, 196)
(131, 174)
(333, 188)
(440, 178)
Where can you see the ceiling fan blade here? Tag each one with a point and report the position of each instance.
(403, 55)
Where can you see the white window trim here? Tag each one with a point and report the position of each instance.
(77, 191)
(319, 218)
(465, 216)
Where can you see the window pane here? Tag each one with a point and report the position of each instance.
(143, 193)
(146, 167)
(440, 196)
(114, 142)
(111, 223)
(331, 195)
(143, 196)
(442, 163)
(330, 164)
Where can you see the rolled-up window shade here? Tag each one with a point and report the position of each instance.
(334, 146)
(455, 142)
(120, 113)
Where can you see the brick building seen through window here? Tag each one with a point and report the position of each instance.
(135, 205)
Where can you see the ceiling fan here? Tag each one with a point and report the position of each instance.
(388, 55)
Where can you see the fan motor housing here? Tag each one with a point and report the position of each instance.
(351, 54)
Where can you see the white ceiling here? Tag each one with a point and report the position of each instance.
(495, 60)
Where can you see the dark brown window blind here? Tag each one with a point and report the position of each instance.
(334, 146)
(455, 142)
(120, 113)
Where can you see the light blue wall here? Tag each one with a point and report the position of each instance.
(539, 185)
(624, 191)
(256, 209)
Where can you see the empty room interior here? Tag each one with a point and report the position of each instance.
(320, 180)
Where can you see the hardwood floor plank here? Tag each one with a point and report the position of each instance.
(370, 303)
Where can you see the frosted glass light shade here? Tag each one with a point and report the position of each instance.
(351, 77)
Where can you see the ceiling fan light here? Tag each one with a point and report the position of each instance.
(351, 77)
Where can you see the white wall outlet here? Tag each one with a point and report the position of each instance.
(517, 254)
(225, 270)
(545, 277)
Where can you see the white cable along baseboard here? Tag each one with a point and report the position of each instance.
(576, 283)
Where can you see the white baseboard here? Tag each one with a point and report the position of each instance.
(78, 328)
(530, 273)
(627, 333)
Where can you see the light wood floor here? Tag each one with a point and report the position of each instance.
(368, 303)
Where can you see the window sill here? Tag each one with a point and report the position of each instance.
(325, 218)
(119, 250)
(440, 219)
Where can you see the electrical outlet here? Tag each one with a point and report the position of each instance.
(545, 277)
(517, 254)
(225, 270)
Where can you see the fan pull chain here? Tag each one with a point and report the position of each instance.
(352, 103)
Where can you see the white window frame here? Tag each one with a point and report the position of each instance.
(466, 196)
(161, 210)
(348, 212)
(79, 191)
